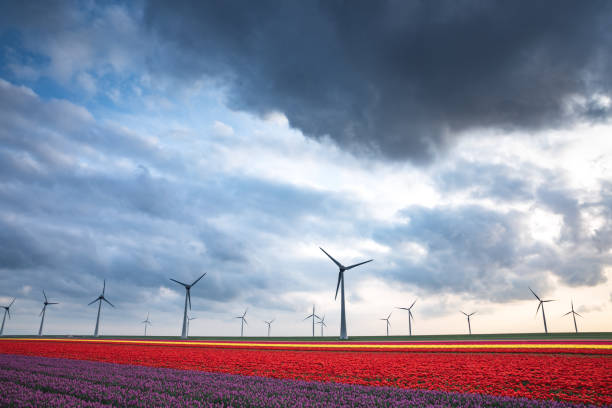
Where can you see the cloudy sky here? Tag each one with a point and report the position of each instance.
(465, 146)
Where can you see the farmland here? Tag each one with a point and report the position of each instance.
(459, 373)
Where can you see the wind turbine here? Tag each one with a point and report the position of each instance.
(187, 300)
(322, 323)
(410, 316)
(573, 315)
(468, 317)
(189, 319)
(269, 323)
(42, 312)
(6, 312)
(541, 304)
(388, 324)
(342, 269)
(146, 322)
(100, 299)
(242, 321)
(313, 315)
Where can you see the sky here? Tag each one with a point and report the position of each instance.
(463, 145)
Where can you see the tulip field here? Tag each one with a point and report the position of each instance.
(51, 372)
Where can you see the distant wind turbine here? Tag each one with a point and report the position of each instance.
(42, 312)
(342, 269)
(468, 319)
(269, 323)
(187, 301)
(322, 323)
(189, 319)
(242, 321)
(146, 322)
(388, 323)
(410, 316)
(574, 316)
(313, 315)
(6, 312)
(100, 299)
(541, 304)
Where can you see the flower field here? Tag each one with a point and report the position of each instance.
(270, 374)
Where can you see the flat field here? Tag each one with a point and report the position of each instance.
(564, 371)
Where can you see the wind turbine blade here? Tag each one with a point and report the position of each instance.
(473, 313)
(413, 304)
(357, 264)
(272, 321)
(13, 301)
(8, 312)
(539, 304)
(307, 317)
(338, 285)
(245, 321)
(245, 312)
(189, 298)
(93, 301)
(104, 287)
(566, 313)
(45, 295)
(410, 315)
(534, 293)
(403, 308)
(551, 300)
(389, 316)
(104, 299)
(196, 281)
(180, 283)
(579, 314)
(333, 260)
(52, 303)
(41, 312)
(463, 312)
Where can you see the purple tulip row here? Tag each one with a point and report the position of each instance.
(27, 381)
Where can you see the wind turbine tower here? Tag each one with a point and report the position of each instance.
(187, 301)
(541, 304)
(146, 322)
(388, 323)
(189, 319)
(468, 319)
(313, 315)
(269, 323)
(322, 323)
(410, 316)
(342, 269)
(242, 321)
(100, 299)
(7, 311)
(574, 316)
(42, 312)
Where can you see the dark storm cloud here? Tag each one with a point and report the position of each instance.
(396, 77)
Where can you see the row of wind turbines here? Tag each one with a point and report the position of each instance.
(321, 320)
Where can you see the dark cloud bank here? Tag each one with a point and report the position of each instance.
(395, 77)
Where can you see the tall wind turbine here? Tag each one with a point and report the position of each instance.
(100, 299)
(468, 318)
(269, 323)
(342, 269)
(410, 316)
(42, 312)
(541, 304)
(313, 315)
(7, 311)
(242, 321)
(146, 322)
(189, 319)
(187, 300)
(322, 323)
(388, 323)
(573, 315)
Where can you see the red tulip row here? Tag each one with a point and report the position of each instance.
(569, 377)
